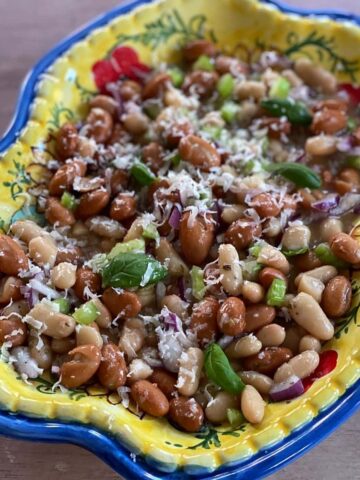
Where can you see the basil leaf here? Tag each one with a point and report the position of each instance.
(128, 270)
(142, 173)
(295, 112)
(219, 370)
(297, 173)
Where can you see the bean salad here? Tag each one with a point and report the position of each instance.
(199, 239)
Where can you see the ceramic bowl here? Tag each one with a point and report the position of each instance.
(55, 91)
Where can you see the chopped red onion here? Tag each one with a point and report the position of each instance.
(301, 158)
(290, 388)
(171, 320)
(327, 203)
(348, 203)
(175, 217)
(345, 144)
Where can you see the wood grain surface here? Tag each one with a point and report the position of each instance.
(28, 28)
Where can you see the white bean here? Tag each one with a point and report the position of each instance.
(40, 349)
(296, 237)
(88, 335)
(329, 228)
(252, 405)
(139, 370)
(175, 305)
(305, 310)
(252, 291)
(146, 295)
(272, 257)
(230, 269)
(250, 89)
(271, 335)
(315, 75)
(54, 324)
(321, 145)
(309, 342)
(311, 285)
(283, 373)
(305, 363)
(232, 213)
(261, 382)
(324, 273)
(132, 337)
(63, 275)
(26, 230)
(166, 253)
(244, 347)
(190, 365)
(104, 317)
(43, 250)
(216, 409)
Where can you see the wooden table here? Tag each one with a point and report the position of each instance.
(28, 29)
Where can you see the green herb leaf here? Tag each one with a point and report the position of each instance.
(219, 370)
(295, 112)
(297, 173)
(142, 174)
(128, 270)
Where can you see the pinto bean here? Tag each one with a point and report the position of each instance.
(55, 213)
(86, 280)
(67, 141)
(196, 237)
(84, 364)
(65, 176)
(13, 330)
(69, 254)
(186, 413)
(199, 152)
(204, 320)
(91, 203)
(104, 102)
(153, 155)
(123, 207)
(194, 49)
(125, 304)
(328, 121)
(165, 381)
(346, 248)
(100, 124)
(268, 274)
(242, 232)
(12, 257)
(306, 261)
(337, 297)
(200, 83)
(150, 398)
(268, 360)
(231, 316)
(112, 371)
(10, 289)
(156, 85)
(257, 316)
(266, 205)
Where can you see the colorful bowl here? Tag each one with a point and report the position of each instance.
(54, 92)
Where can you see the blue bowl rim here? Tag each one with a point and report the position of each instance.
(101, 443)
